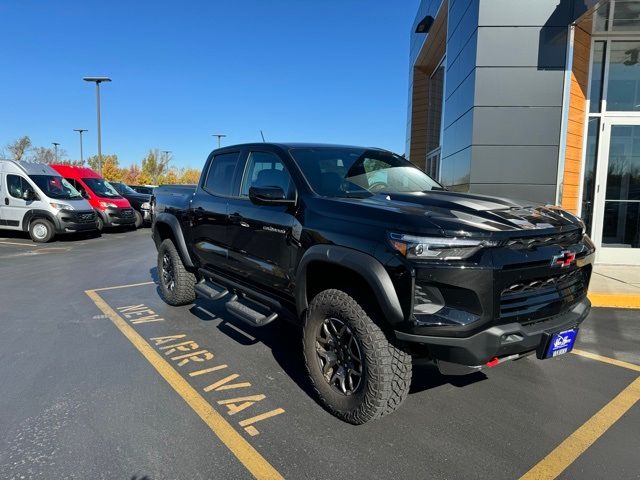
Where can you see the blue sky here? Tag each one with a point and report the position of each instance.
(323, 70)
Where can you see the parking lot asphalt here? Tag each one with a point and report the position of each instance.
(103, 382)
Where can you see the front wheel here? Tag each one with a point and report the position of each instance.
(139, 219)
(41, 230)
(177, 284)
(357, 372)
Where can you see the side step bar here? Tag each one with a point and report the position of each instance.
(248, 314)
(210, 291)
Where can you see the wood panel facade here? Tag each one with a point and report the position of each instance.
(574, 153)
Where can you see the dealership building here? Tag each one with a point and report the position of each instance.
(533, 99)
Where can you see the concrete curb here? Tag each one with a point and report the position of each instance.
(614, 300)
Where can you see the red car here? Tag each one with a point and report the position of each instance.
(112, 209)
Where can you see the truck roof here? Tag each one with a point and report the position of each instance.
(32, 168)
(287, 145)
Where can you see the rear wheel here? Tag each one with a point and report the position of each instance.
(41, 230)
(139, 219)
(177, 284)
(357, 372)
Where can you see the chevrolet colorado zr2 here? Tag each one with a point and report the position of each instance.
(377, 262)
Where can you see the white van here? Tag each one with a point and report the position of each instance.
(35, 198)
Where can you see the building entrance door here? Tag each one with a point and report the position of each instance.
(617, 192)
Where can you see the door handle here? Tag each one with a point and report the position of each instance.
(238, 219)
(6, 201)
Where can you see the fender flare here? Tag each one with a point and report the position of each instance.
(172, 222)
(361, 263)
(36, 213)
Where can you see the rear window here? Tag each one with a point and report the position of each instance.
(220, 175)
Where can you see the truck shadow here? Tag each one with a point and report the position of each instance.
(285, 342)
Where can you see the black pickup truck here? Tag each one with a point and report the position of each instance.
(377, 262)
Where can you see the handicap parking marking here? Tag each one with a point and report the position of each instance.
(169, 354)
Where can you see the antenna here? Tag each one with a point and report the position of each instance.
(262, 135)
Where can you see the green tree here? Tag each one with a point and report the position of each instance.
(110, 169)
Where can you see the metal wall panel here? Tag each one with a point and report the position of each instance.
(516, 125)
(518, 86)
(514, 164)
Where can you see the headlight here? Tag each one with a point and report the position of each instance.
(108, 205)
(61, 206)
(145, 206)
(436, 248)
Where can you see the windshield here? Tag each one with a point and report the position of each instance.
(55, 187)
(101, 187)
(348, 172)
(124, 189)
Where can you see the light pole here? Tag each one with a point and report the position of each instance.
(80, 131)
(55, 148)
(219, 135)
(98, 81)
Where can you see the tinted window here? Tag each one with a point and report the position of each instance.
(101, 187)
(16, 185)
(265, 170)
(220, 175)
(344, 172)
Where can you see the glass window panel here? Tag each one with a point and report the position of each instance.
(623, 90)
(626, 16)
(590, 164)
(601, 22)
(623, 175)
(597, 75)
(220, 176)
(621, 226)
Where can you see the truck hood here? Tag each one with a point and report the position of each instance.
(466, 214)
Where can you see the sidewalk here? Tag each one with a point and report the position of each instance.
(615, 286)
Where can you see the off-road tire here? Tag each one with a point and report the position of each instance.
(41, 230)
(139, 219)
(386, 368)
(183, 291)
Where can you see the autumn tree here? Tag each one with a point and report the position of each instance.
(18, 148)
(155, 165)
(110, 168)
(189, 176)
(94, 162)
(170, 178)
(132, 175)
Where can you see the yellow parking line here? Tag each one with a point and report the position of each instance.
(569, 450)
(19, 244)
(120, 286)
(244, 452)
(612, 361)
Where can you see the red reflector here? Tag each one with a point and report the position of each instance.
(493, 362)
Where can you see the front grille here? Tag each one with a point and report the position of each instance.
(537, 297)
(122, 213)
(562, 239)
(88, 217)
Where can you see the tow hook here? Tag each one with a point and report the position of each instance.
(448, 368)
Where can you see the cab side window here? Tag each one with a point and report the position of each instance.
(219, 179)
(265, 169)
(16, 186)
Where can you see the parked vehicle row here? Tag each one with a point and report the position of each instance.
(46, 200)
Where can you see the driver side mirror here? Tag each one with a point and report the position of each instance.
(29, 195)
(269, 196)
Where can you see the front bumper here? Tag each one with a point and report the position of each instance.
(70, 221)
(497, 341)
(115, 217)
